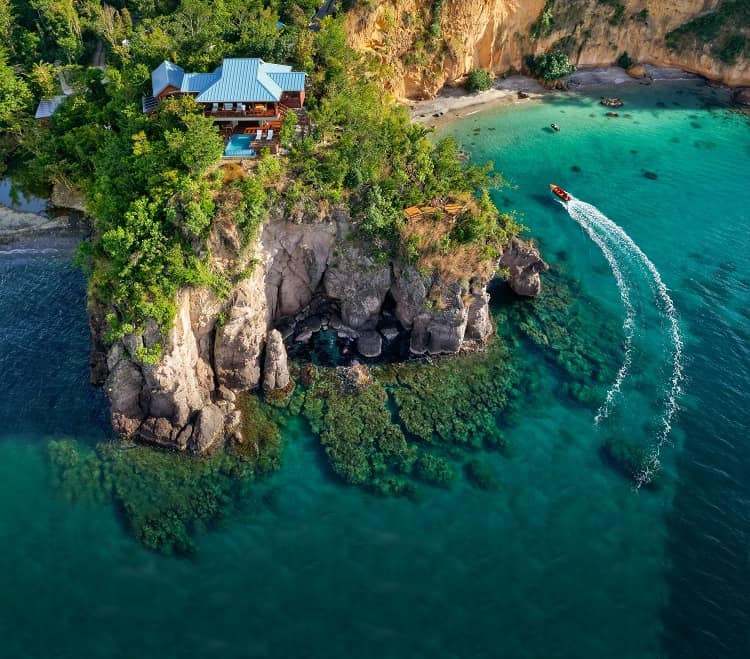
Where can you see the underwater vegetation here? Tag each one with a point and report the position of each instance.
(167, 498)
(391, 429)
(572, 333)
(391, 426)
(481, 475)
(629, 459)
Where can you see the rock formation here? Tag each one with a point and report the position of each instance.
(524, 265)
(742, 96)
(497, 35)
(275, 369)
(307, 276)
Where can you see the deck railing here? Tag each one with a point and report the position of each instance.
(233, 114)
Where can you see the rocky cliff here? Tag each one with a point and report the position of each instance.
(424, 44)
(305, 276)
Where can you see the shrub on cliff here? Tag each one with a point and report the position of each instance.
(478, 80)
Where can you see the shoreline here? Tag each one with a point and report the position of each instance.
(455, 103)
(26, 226)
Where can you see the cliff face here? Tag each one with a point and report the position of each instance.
(306, 277)
(423, 44)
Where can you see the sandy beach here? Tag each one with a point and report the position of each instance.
(455, 102)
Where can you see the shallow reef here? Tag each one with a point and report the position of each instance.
(574, 334)
(167, 498)
(630, 459)
(391, 428)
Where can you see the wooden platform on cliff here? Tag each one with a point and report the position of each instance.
(418, 212)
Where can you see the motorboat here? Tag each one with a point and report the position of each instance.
(554, 127)
(559, 192)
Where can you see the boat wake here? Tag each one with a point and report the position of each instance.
(618, 247)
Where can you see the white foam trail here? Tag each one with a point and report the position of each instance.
(628, 324)
(593, 215)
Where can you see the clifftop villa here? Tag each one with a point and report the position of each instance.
(247, 97)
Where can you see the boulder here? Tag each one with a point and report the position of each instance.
(275, 368)
(524, 265)
(369, 344)
(741, 95)
(637, 71)
(63, 196)
(359, 284)
(207, 431)
(123, 386)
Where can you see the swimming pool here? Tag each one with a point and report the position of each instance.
(239, 146)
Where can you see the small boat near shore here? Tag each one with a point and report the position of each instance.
(559, 192)
(612, 102)
(555, 127)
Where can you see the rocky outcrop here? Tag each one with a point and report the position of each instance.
(497, 35)
(359, 284)
(524, 265)
(275, 368)
(307, 276)
(63, 196)
(742, 96)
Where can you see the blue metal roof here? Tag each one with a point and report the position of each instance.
(47, 107)
(198, 82)
(289, 82)
(166, 75)
(242, 79)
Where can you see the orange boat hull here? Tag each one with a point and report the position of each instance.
(559, 192)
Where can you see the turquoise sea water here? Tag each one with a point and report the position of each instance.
(565, 560)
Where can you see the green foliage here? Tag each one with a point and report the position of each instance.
(15, 97)
(722, 28)
(544, 25)
(732, 48)
(549, 66)
(624, 61)
(478, 80)
(288, 127)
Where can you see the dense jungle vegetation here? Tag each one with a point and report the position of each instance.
(151, 181)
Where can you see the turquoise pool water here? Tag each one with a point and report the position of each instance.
(565, 560)
(239, 145)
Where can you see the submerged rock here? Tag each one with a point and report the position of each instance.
(369, 344)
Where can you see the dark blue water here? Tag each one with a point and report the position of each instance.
(565, 560)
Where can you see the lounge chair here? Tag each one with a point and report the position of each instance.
(259, 135)
(270, 134)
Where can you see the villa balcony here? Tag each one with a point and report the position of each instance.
(222, 112)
